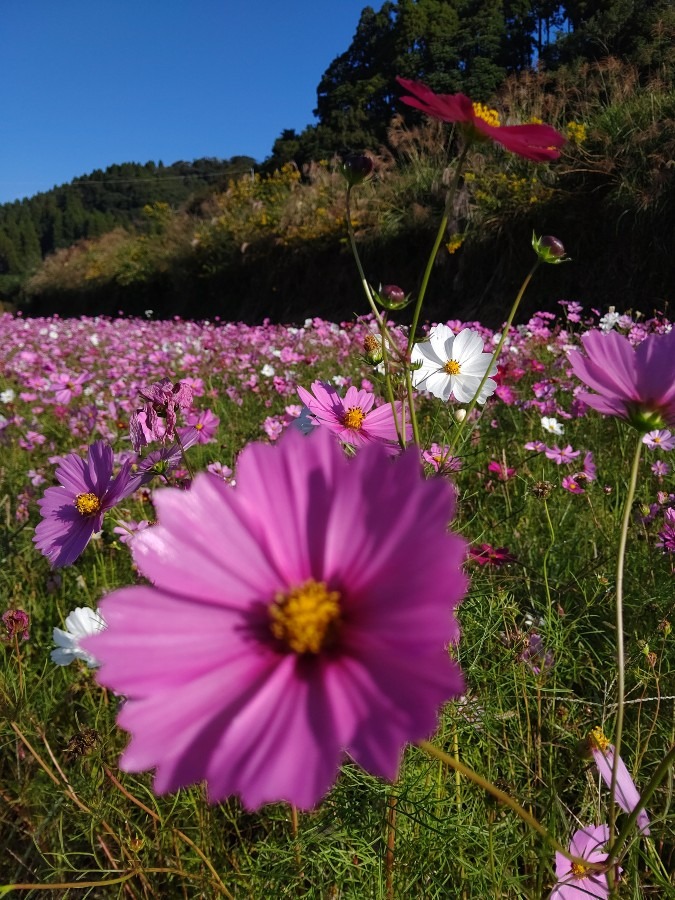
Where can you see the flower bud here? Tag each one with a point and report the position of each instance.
(356, 168)
(391, 296)
(460, 414)
(549, 249)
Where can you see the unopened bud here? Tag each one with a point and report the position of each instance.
(391, 296)
(356, 168)
(549, 249)
(460, 414)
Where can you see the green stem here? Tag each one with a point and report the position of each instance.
(497, 351)
(620, 659)
(437, 243)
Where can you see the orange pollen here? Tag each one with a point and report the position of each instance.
(199, 426)
(452, 367)
(307, 618)
(599, 739)
(354, 418)
(489, 116)
(87, 504)
(578, 870)
(370, 343)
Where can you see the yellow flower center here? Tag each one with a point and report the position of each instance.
(354, 417)
(307, 618)
(578, 870)
(452, 367)
(599, 739)
(199, 426)
(370, 343)
(489, 116)
(87, 504)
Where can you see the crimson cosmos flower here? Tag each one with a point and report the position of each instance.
(536, 142)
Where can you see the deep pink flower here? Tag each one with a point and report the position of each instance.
(486, 554)
(300, 616)
(535, 142)
(627, 795)
(576, 881)
(501, 470)
(354, 419)
(73, 512)
(572, 483)
(634, 383)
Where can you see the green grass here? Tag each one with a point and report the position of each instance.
(71, 817)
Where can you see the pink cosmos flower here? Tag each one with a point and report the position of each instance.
(576, 881)
(634, 383)
(573, 484)
(627, 795)
(73, 512)
(566, 455)
(206, 424)
(535, 142)
(354, 418)
(659, 439)
(286, 625)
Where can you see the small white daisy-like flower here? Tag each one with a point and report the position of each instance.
(453, 365)
(267, 371)
(80, 623)
(552, 425)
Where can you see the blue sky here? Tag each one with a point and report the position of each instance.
(88, 83)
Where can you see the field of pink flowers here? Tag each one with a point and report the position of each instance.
(537, 481)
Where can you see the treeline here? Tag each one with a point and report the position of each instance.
(243, 240)
(95, 204)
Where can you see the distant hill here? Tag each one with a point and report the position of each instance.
(94, 204)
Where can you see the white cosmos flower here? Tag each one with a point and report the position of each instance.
(548, 423)
(453, 365)
(80, 623)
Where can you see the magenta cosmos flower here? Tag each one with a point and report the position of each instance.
(354, 419)
(535, 141)
(301, 616)
(73, 512)
(634, 383)
(575, 880)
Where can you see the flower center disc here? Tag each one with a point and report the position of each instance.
(452, 367)
(599, 739)
(87, 504)
(579, 871)
(306, 619)
(489, 116)
(354, 417)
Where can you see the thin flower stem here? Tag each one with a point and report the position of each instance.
(507, 800)
(18, 663)
(387, 341)
(551, 545)
(449, 200)
(498, 349)
(620, 658)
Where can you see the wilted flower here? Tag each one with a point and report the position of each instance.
(486, 554)
(156, 420)
(284, 625)
(17, 624)
(452, 365)
(81, 623)
(535, 142)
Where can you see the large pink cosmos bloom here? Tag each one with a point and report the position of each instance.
(354, 419)
(536, 142)
(73, 511)
(576, 881)
(302, 616)
(633, 383)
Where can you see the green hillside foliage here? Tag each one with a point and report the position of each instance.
(242, 242)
